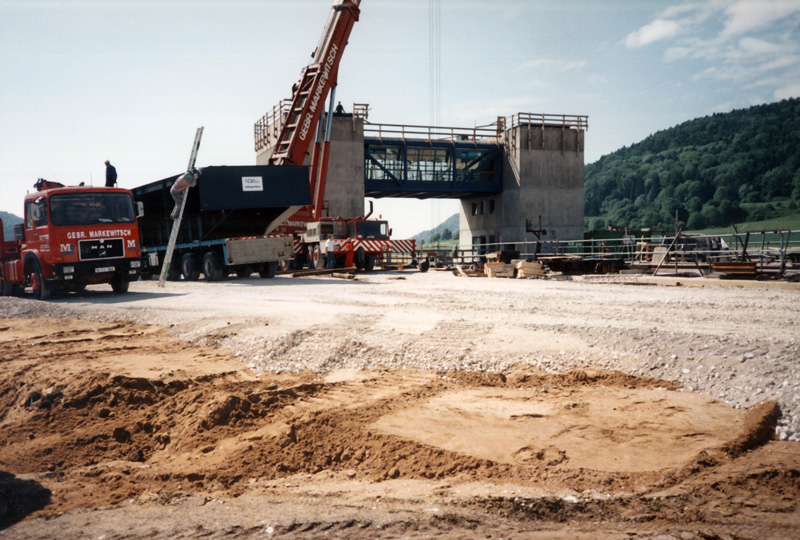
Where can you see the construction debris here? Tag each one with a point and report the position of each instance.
(469, 271)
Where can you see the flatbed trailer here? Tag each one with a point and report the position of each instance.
(225, 222)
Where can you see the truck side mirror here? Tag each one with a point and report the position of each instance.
(139, 209)
(36, 212)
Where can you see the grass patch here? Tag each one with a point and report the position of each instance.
(791, 222)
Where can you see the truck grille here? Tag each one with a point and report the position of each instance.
(101, 249)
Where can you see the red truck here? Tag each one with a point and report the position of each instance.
(71, 237)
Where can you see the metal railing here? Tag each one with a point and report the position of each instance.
(268, 127)
(478, 134)
(775, 251)
(567, 121)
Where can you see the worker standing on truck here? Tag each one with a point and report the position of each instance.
(178, 189)
(111, 175)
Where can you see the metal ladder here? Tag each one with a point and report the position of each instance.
(297, 112)
(176, 223)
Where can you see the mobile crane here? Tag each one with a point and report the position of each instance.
(358, 241)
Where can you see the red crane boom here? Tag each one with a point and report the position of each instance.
(316, 82)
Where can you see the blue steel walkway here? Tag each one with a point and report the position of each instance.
(425, 162)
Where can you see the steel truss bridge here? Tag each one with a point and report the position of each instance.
(425, 162)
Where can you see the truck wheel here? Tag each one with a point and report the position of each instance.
(424, 265)
(6, 288)
(369, 263)
(212, 266)
(120, 283)
(189, 267)
(41, 291)
(268, 270)
(244, 271)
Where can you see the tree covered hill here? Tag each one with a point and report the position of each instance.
(9, 220)
(446, 230)
(712, 171)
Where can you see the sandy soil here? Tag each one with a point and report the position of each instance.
(400, 406)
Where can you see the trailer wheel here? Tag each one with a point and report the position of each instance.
(120, 283)
(189, 267)
(174, 272)
(244, 271)
(212, 266)
(41, 290)
(268, 270)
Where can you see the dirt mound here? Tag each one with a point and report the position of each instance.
(759, 427)
(96, 414)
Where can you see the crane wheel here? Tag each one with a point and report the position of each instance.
(361, 258)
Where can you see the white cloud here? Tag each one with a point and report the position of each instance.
(755, 46)
(747, 15)
(655, 31)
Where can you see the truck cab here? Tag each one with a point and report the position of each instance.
(72, 237)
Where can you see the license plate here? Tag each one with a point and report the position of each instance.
(104, 269)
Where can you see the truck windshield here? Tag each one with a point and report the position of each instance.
(370, 229)
(90, 208)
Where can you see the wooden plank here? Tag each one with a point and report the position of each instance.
(323, 272)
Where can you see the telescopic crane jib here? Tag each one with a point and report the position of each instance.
(317, 80)
(354, 240)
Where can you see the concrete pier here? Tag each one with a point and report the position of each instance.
(542, 178)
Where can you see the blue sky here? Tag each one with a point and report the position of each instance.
(82, 81)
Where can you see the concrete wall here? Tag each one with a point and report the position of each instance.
(543, 176)
(344, 190)
(345, 185)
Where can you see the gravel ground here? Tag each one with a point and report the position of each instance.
(738, 342)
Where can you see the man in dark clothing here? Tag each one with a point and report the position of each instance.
(111, 175)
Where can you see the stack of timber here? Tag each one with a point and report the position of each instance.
(738, 269)
(499, 270)
(527, 269)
